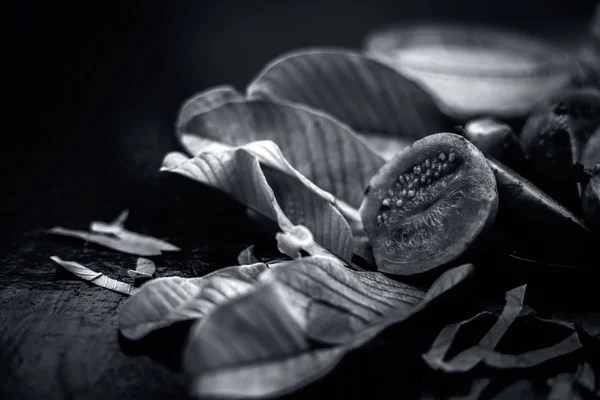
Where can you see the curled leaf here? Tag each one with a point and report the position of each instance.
(112, 227)
(97, 278)
(165, 301)
(205, 101)
(298, 300)
(320, 148)
(483, 352)
(285, 375)
(247, 256)
(145, 269)
(368, 95)
(267, 341)
(283, 200)
(290, 243)
(332, 302)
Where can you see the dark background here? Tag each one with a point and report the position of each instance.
(97, 87)
(95, 91)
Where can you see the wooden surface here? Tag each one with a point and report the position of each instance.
(58, 334)
(97, 98)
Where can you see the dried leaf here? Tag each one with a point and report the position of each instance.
(483, 352)
(165, 301)
(145, 269)
(366, 94)
(110, 227)
(287, 201)
(117, 229)
(271, 324)
(97, 278)
(114, 236)
(320, 148)
(138, 248)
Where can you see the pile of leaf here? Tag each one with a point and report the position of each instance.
(298, 148)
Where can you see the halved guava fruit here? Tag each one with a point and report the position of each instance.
(591, 202)
(535, 221)
(426, 206)
(553, 139)
(496, 139)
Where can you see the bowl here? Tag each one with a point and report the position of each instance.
(473, 71)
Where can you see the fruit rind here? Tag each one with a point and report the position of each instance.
(461, 204)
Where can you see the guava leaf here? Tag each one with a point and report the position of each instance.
(114, 236)
(271, 193)
(165, 301)
(97, 278)
(117, 229)
(259, 344)
(247, 256)
(364, 93)
(266, 355)
(205, 101)
(350, 300)
(483, 352)
(110, 227)
(322, 149)
(384, 145)
(144, 269)
(266, 151)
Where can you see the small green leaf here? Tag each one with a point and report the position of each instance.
(366, 94)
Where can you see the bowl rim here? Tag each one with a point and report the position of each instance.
(551, 60)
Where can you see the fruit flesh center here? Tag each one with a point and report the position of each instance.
(417, 190)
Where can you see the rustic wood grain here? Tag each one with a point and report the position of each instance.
(58, 334)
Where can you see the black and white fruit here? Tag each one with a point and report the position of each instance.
(428, 204)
